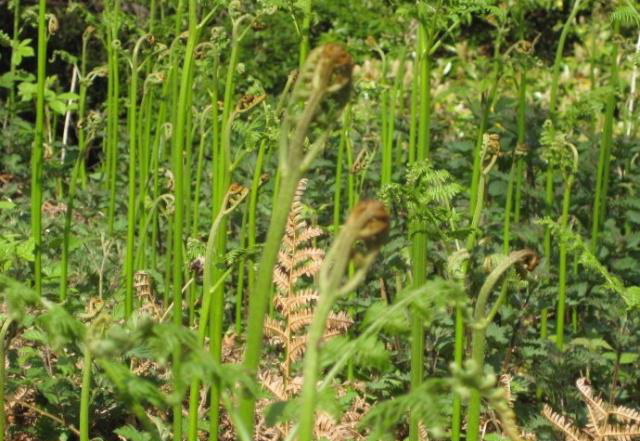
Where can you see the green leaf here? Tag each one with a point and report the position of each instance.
(631, 296)
(7, 205)
(25, 250)
(131, 433)
(592, 344)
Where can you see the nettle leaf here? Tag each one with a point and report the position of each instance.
(132, 434)
(631, 296)
(21, 50)
(25, 250)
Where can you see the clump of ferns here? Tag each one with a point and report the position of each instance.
(298, 261)
(606, 421)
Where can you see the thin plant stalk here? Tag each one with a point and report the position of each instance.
(604, 156)
(549, 191)
(252, 212)
(13, 66)
(337, 191)
(330, 288)
(37, 151)
(482, 320)
(131, 205)
(304, 31)
(113, 113)
(178, 148)
(158, 144)
(222, 181)
(521, 148)
(209, 288)
(484, 122)
(82, 101)
(419, 237)
(508, 208)
(562, 265)
(3, 335)
(395, 96)
(85, 394)
(470, 244)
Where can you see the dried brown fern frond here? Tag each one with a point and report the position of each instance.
(596, 408)
(599, 412)
(625, 414)
(295, 298)
(564, 425)
(298, 262)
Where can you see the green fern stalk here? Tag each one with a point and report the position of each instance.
(508, 207)
(326, 72)
(82, 101)
(76, 173)
(3, 376)
(12, 66)
(330, 288)
(178, 149)
(604, 156)
(419, 237)
(562, 266)
(157, 146)
(520, 143)
(37, 151)
(222, 181)
(85, 394)
(482, 320)
(252, 212)
(549, 192)
(306, 6)
(113, 113)
(385, 165)
(131, 205)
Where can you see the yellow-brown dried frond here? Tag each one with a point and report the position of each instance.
(274, 384)
(625, 414)
(300, 319)
(563, 424)
(300, 299)
(596, 408)
(274, 331)
(599, 426)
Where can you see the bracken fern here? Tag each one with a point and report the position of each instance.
(606, 421)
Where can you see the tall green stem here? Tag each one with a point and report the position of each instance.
(330, 288)
(3, 334)
(419, 237)
(549, 191)
(85, 394)
(316, 82)
(304, 37)
(562, 267)
(37, 151)
(113, 114)
(604, 157)
(222, 182)
(131, 205)
(13, 66)
(521, 148)
(251, 220)
(482, 320)
(178, 149)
